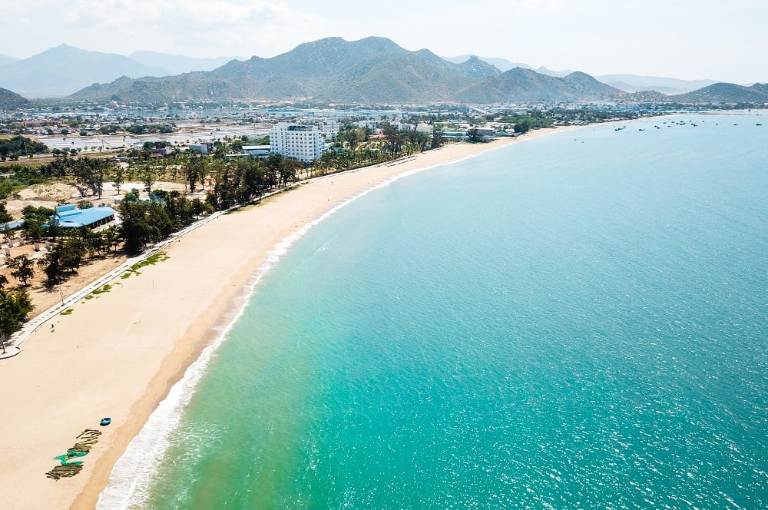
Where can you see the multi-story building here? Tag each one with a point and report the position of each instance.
(297, 141)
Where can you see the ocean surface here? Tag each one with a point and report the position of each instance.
(576, 321)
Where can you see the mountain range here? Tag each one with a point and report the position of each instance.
(625, 82)
(371, 70)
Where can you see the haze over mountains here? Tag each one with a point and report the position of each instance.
(371, 70)
(177, 64)
(625, 82)
(65, 69)
(5, 59)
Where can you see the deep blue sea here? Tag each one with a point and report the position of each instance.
(575, 321)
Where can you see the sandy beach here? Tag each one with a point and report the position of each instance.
(119, 353)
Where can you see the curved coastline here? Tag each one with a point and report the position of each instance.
(120, 355)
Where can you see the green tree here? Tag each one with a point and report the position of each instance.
(22, 268)
(14, 308)
(111, 237)
(437, 138)
(119, 178)
(148, 177)
(32, 229)
(522, 126)
(135, 229)
(4, 216)
(62, 260)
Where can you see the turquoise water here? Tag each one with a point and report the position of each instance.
(577, 321)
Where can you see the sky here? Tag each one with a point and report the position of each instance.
(687, 39)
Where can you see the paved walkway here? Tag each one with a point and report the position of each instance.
(21, 336)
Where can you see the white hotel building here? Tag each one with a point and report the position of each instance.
(296, 141)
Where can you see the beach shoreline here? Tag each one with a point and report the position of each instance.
(120, 354)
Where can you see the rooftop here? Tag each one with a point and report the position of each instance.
(71, 217)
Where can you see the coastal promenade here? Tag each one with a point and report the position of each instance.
(118, 353)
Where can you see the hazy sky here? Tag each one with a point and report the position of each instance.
(724, 39)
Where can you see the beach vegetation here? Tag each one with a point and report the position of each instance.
(149, 261)
(62, 260)
(118, 178)
(22, 268)
(5, 217)
(68, 311)
(15, 305)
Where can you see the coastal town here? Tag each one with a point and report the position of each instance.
(72, 177)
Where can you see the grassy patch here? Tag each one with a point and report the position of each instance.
(68, 311)
(149, 261)
(89, 296)
(103, 289)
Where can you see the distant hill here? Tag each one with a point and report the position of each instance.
(646, 96)
(760, 87)
(502, 64)
(64, 69)
(635, 83)
(726, 93)
(624, 82)
(505, 65)
(11, 100)
(549, 72)
(519, 85)
(177, 64)
(5, 59)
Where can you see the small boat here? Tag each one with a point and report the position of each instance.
(105, 421)
(641, 129)
(758, 124)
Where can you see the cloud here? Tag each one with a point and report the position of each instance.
(198, 27)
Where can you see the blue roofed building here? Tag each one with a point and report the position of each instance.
(69, 216)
